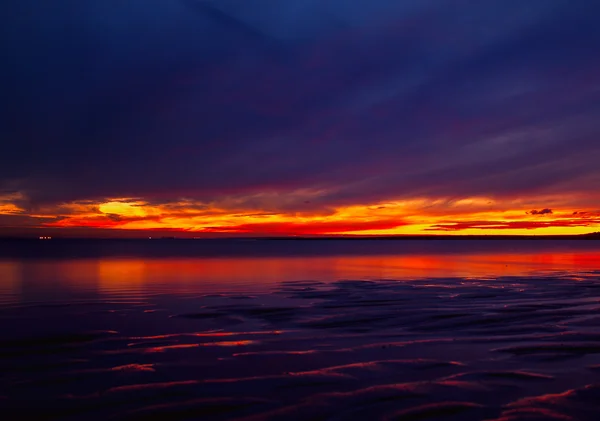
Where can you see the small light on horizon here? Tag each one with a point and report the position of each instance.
(45, 238)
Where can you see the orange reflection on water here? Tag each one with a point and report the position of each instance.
(169, 347)
(183, 274)
(223, 273)
(122, 274)
(39, 279)
(10, 278)
(230, 343)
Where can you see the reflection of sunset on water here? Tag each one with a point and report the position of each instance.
(10, 279)
(172, 275)
(120, 274)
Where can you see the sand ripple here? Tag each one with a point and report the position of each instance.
(449, 349)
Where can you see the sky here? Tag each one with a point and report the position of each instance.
(304, 117)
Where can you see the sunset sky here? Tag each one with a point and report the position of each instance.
(303, 117)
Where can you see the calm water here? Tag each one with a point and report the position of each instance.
(334, 330)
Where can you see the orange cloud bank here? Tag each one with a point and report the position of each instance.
(475, 215)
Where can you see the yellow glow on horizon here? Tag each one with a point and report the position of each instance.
(10, 209)
(124, 208)
(412, 217)
(264, 216)
(422, 230)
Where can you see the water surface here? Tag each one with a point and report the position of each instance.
(463, 330)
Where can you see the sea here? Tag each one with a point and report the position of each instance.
(274, 329)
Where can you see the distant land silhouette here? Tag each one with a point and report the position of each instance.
(590, 236)
(144, 236)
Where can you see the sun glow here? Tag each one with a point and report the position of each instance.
(124, 208)
(468, 215)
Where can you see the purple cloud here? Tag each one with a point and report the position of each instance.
(355, 101)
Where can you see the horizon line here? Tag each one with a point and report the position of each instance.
(594, 235)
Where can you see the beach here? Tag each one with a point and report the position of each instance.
(456, 333)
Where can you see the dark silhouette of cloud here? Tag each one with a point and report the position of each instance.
(544, 211)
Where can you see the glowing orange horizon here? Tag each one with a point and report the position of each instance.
(474, 215)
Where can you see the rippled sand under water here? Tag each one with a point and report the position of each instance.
(513, 348)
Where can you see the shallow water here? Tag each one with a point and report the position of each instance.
(321, 331)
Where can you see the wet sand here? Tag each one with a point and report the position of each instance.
(511, 348)
(507, 333)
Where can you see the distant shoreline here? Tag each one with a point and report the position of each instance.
(591, 236)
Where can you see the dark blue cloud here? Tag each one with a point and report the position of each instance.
(359, 101)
